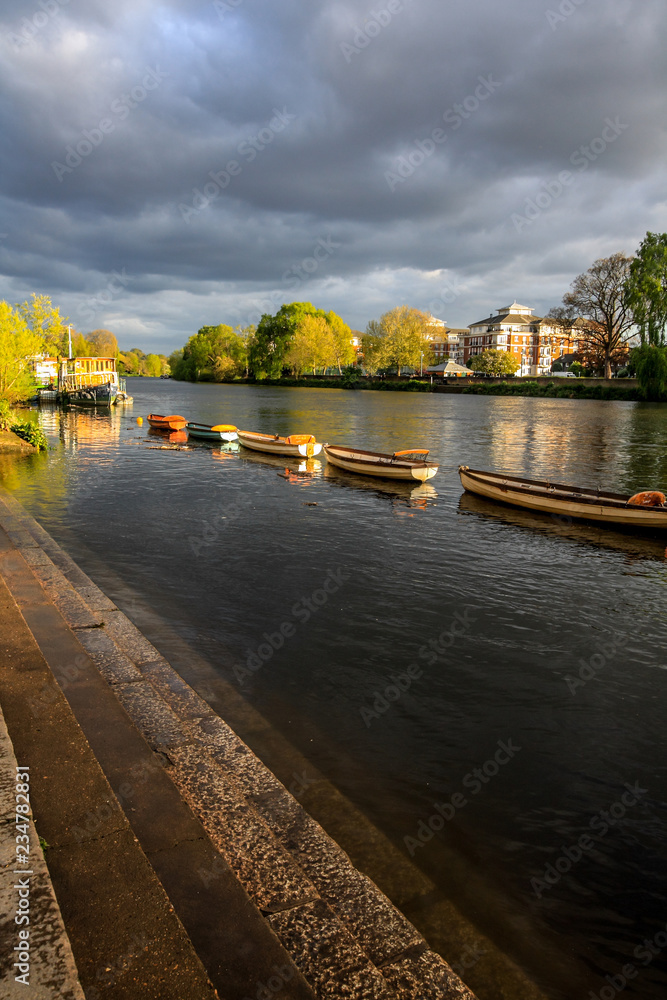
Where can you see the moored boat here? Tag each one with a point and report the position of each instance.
(166, 423)
(212, 432)
(304, 445)
(401, 465)
(569, 501)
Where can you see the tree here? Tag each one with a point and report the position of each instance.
(400, 338)
(649, 362)
(266, 357)
(599, 297)
(153, 365)
(103, 344)
(343, 353)
(214, 352)
(495, 363)
(18, 343)
(646, 289)
(312, 346)
(372, 348)
(81, 348)
(44, 319)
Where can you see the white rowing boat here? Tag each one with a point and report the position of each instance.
(569, 501)
(401, 465)
(303, 445)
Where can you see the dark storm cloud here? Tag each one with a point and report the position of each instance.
(208, 150)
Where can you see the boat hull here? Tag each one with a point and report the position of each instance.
(274, 445)
(587, 505)
(205, 433)
(93, 395)
(173, 422)
(379, 465)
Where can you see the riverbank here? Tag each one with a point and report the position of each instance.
(541, 387)
(232, 885)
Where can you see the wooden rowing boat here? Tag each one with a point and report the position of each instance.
(212, 432)
(555, 499)
(296, 444)
(170, 423)
(401, 465)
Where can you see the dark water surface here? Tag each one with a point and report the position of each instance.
(228, 551)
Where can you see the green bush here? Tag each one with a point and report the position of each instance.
(31, 433)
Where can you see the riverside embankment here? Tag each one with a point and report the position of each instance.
(181, 866)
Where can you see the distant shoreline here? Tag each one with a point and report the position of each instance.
(543, 387)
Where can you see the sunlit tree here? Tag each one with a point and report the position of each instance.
(44, 319)
(401, 338)
(18, 343)
(103, 344)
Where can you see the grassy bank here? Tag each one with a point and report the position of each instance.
(572, 389)
(336, 383)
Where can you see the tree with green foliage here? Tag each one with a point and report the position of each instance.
(646, 289)
(266, 356)
(214, 353)
(343, 352)
(494, 362)
(81, 348)
(45, 321)
(18, 343)
(312, 346)
(650, 364)
(153, 365)
(401, 338)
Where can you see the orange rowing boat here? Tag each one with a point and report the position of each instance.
(170, 423)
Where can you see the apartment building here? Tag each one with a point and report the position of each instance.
(536, 342)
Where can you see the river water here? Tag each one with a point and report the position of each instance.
(529, 649)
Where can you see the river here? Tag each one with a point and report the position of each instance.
(530, 649)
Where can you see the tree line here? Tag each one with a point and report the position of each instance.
(300, 339)
(36, 326)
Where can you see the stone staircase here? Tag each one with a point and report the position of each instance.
(341, 933)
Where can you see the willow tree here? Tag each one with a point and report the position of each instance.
(18, 343)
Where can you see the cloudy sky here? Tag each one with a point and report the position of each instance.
(168, 165)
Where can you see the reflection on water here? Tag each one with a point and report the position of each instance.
(225, 550)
